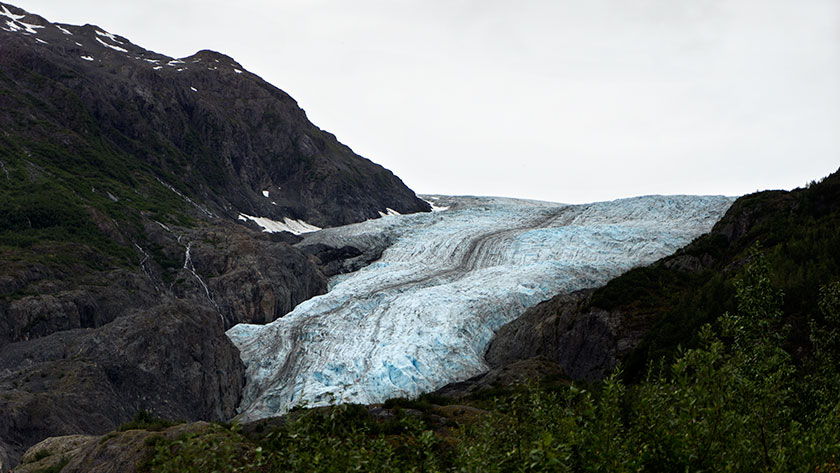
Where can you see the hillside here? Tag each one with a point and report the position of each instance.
(648, 312)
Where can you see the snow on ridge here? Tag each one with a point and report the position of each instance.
(110, 36)
(116, 48)
(423, 315)
(293, 226)
(9, 14)
(14, 24)
(64, 30)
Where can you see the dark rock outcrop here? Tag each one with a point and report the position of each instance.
(586, 345)
(342, 260)
(172, 360)
(245, 276)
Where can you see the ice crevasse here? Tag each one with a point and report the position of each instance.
(423, 315)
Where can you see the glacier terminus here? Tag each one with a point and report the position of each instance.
(424, 313)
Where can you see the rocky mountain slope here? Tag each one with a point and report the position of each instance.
(130, 183)
(647, 312)
(84, 100)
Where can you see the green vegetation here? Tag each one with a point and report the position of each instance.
(344, 438)
(800, 232)
(145, 420)
(55, 468)
(74, 195)
(737, 402)
(40, 455)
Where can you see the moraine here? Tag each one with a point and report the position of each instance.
(423, 315)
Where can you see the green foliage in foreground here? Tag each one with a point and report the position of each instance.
(736, 403)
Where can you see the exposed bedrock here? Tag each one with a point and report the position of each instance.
(172, 360)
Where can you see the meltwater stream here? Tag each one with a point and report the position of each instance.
(423, 315)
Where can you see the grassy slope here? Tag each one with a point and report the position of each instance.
(69, 198)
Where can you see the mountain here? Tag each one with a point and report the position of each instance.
(125, 120)
(646, 313)
(134, 189)
(423, 314)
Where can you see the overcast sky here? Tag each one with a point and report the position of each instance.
(562, 100)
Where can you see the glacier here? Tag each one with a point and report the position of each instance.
(423, 315)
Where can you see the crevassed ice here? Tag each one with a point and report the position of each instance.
(423, 315)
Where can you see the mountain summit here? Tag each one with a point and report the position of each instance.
(87, 101)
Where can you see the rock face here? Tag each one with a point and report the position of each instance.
(243, 275)
(424, 313)
(586, 345)
(172, 360)
(88, 349)
(202, 124)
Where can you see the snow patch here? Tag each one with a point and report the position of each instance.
(9, 14)
(15, 24)
(435, 208)
(110, 36)
(87, 58)
(79, 44)
(64, 30)
(265, 194)
(157, 68)
(115, 48)
(237, 71)
(296, 227)
(41, 41)
(193, 89)
(389, 213)
(21, 26)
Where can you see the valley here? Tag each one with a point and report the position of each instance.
(195, 277)
(424, 313)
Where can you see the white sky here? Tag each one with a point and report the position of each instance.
(562, 100)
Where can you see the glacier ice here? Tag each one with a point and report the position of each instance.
(423, 315)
